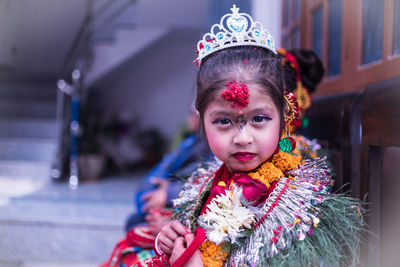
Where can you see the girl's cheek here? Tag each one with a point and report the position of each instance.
(215, 140)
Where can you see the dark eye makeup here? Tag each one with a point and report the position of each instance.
(222, 121)
(260, 118)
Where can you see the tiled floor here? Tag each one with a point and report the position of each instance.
(43, 223)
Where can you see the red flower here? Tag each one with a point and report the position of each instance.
(218, 190)
(237, 93)
(254, 191)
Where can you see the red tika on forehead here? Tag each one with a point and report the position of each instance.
(238, 93)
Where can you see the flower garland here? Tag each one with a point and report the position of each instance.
(298, 214)
(214, 255)
(231, 214)
(270, 172)
(228, 217)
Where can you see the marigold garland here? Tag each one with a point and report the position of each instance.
(285, 161)
(214, 255)
(270, 172)
(267, 173)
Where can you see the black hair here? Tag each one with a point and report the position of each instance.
(311, 68)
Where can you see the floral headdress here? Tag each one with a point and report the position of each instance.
(302, 94)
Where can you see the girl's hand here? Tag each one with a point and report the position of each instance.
(169, 233)
(180, 245)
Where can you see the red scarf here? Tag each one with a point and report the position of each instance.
(253, 190)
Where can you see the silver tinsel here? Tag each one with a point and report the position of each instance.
(295, 213)
(291, 219)
(191, 189)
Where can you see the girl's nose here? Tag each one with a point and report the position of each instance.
(242, 137)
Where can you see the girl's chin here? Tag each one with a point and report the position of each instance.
(242, 167)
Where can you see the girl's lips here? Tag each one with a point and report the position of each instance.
(244, 156)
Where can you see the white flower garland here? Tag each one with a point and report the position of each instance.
(227, 217)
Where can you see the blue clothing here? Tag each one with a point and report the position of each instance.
(186, 153)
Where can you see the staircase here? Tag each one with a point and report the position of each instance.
(27, 128)
(27, 144)
(44, 223)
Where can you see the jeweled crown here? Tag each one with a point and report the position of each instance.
(235, 29)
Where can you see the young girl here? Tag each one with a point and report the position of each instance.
(264, 205)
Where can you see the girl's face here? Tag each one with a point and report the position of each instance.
(243, 138)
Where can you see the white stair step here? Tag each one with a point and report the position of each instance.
(29, 128)
(22, 169)
(34, 149)
(30, 242)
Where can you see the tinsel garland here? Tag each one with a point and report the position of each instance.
(305, 225)
(195, 191)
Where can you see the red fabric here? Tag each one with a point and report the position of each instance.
(223, 175)
(139, 237)
(254, 191)
(157, 261)
(292, 59)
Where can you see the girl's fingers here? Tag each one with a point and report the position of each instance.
(179, 228)
(165, 244)
(189, 239)
(179, 247)
(179, 243)
(173, 230)
(165, 249)
(169, 233)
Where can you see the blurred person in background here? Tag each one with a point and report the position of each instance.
(161, 185)
(164, 182)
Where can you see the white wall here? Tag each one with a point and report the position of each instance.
(35, 35)
(126, 43)
(157, 85)
(269, 14)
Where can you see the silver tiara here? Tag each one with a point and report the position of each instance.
(235, 29)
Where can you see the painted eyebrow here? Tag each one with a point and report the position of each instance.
(221, 112)
(263, 109)
(234, 113)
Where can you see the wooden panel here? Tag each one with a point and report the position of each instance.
(335, 122)
(390, 211)
(381, 114)
(380, 147)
